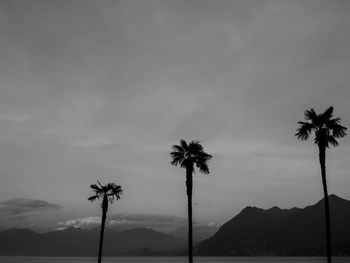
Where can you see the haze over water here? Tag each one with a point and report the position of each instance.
(172, 259)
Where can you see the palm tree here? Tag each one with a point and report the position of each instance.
(107, 193)
(327, 129)
(188, 155)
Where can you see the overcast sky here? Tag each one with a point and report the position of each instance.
(102, 90)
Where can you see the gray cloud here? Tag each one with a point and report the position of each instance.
(127, 221)
(18, 206)
(174, 225)
(149, 220)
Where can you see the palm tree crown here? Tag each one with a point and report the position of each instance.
(108, 192)
(186, 155)
(327, 129)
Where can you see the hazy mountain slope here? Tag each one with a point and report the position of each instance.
(79, 242)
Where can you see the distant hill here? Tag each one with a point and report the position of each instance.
(79, 242)
(282, 232)
(254, 231)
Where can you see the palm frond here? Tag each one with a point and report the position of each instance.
(183, 144)
(204, 157)
(96, 189)
(110, 199)
(177, 158)
(110, 186)
(332, 122)
(174, 162)
(178, 153)
(112, 196)
(185, 163)
(339, 131)
(100, 184)
(203, 167)
(178, 148)
(311, 115)
(93, 198)
(117, 191)
(200, 157)
(304, 130)
(195, 146)
(332, 141)
(328, 113)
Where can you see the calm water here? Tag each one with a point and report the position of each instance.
(172, 259)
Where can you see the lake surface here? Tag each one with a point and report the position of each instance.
(172, 259)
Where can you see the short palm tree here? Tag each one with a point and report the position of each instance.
(107, 193)
(188, 156)
(327, 129)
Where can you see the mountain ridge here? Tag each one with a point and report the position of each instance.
(282, 232)
(82, 242)
(254, 231)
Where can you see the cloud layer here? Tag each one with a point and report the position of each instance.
(127, 221)
(174, 225)
(19, 206)
(25, 212)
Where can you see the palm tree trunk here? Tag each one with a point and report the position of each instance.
(189, 185)
(103, 222)
(322, 157)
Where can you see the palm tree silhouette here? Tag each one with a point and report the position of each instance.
(327, 129)
(188, 155)
(107, 193)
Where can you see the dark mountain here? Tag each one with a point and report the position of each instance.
(200, 232)
(284, 232)
(79, 242)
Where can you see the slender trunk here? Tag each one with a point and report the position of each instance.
(189, 185)
(103, 222)
(322, 157)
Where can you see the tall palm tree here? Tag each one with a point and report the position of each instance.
(107, 193)
(326, 129)
(188, 156)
